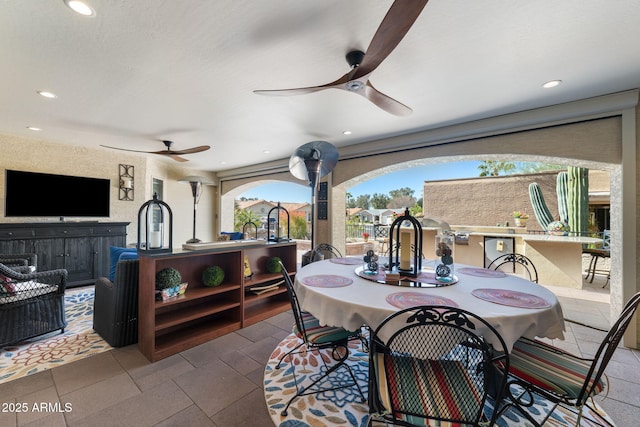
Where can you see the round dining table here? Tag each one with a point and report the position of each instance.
(338, 292)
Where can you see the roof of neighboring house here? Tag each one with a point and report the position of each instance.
(292, 207)
(353, 211)
(246, 204)
(385, 211)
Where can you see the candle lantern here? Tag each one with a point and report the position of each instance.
(275, 237)
(444, 264)
(400, 257)
(155, 226)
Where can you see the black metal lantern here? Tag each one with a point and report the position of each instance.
(399, 253)
(276, 237)
(153, 234)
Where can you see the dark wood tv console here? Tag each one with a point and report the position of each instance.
(203, 313)
(80, 247)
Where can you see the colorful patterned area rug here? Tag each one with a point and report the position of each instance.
(344, 407)
(78, 341)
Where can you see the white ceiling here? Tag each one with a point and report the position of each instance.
(145, 70)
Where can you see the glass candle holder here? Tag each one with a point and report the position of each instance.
(444, 264)
(370, 259)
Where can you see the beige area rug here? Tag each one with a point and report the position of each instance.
(78, 341)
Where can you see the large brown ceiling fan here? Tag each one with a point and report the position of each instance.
(394, 26)
(174, 154)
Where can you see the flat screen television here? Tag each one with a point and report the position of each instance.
(42, 194)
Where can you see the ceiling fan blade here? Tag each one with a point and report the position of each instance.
(178, 158)
(169, 153)
(304, 90)
(124, 149)
(392, 29)
(383, 101)
(193, 150)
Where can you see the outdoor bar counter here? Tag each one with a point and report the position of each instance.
(558, 259)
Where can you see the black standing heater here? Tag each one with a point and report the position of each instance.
(311, 162)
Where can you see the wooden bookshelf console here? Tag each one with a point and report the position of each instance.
(203, 313)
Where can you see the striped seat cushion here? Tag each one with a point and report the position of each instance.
(435, 388)
(544, 366)
(318, 334)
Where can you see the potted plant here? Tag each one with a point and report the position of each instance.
(520, 218)
(365, 236)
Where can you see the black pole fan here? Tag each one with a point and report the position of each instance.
(310, 163)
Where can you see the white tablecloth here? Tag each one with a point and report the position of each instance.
(363, 302)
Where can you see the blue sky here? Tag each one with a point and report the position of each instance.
(410, 177)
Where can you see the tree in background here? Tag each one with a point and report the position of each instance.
(380, 201)
(363, 201)
(494, 168)
(533, 167)
(416, 210)
(351, 202)
(401, 198)
(297, 224)
(243, 216)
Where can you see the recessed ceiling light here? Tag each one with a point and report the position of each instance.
(266, 151)
(47, 94)
(223, 162)
(347, 132)
(551, 83)
(80, 7)
(33, 128)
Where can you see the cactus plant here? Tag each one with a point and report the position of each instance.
(561, 191)
(572, 189)
(540, 209)
(168, 278)
(578, 199)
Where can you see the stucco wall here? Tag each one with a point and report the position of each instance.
(487, 200)
(36, 155)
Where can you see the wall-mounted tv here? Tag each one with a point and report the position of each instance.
(42, 194)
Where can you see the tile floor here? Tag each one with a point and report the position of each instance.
(219, 383)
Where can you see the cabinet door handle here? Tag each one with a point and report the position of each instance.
(60, 256)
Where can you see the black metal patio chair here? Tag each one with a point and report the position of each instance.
(514, 263)
(314, 336)
(430, 363)
(561, 377)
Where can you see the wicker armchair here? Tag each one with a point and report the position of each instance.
(19, 260)
(31, 303)
(115, 308)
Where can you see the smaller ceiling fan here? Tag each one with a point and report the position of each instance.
(174, 154)
(392, 29)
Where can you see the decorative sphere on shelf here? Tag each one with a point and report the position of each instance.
(273, 265)
(168, 278)
(212, 276)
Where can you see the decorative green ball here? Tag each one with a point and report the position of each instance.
(168, 278)
(212, 276)
(273, 265)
